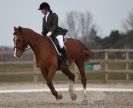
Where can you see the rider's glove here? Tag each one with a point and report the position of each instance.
(49, 34)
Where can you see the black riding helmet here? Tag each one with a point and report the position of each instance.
(44, 5)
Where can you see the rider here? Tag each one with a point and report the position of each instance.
(51, 29)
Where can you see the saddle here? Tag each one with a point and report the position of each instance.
(56, 45)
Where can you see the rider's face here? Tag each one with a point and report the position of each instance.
(44, 11)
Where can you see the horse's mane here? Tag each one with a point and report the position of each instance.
(37, 35)
(31, 31)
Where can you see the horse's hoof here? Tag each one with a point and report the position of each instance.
(85, 102)
(74, 97)
(59, 96)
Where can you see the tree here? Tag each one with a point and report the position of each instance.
(128, 24)
(110, 41)
(79, 24)
(91, 39)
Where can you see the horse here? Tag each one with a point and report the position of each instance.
(47, 60)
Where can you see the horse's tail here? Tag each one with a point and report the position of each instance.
(88, 54)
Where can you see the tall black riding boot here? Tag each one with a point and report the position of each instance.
(65, 57)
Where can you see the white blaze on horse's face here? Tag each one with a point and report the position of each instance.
(17, 53)
(15, 38)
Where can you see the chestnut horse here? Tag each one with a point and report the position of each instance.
(46, 57)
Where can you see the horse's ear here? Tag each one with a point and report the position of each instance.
(20, 28)
(15, 28)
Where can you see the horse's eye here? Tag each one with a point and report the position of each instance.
(19, 40)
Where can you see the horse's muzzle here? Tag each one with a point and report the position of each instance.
(17, 53)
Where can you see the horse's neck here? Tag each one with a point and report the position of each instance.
(34, 39)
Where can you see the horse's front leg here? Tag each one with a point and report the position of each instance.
(51, 74)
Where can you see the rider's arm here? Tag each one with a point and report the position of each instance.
(44, 28)
(54, 23)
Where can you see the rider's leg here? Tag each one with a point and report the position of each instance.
(60, 40)
(63, 49)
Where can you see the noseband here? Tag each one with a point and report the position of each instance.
(22, 49)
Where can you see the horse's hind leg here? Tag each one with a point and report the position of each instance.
(80, 66)
(71, 77)
(68, 73)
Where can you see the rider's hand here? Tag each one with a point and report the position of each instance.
(49, 34)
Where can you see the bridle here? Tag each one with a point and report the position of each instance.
(24, 47)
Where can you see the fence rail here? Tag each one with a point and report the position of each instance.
(106, 58)
(107, 61)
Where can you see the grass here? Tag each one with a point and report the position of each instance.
(95, 76)
(57, 77)
(131, 76)
(6, 68)
(116, 66)
(29, 78)
(16, 68)
(16, 78)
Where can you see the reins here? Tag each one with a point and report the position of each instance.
(55, 46)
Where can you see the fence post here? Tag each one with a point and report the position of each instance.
(106, 65)
(127, 65)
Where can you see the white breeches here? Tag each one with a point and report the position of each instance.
(60, 40)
